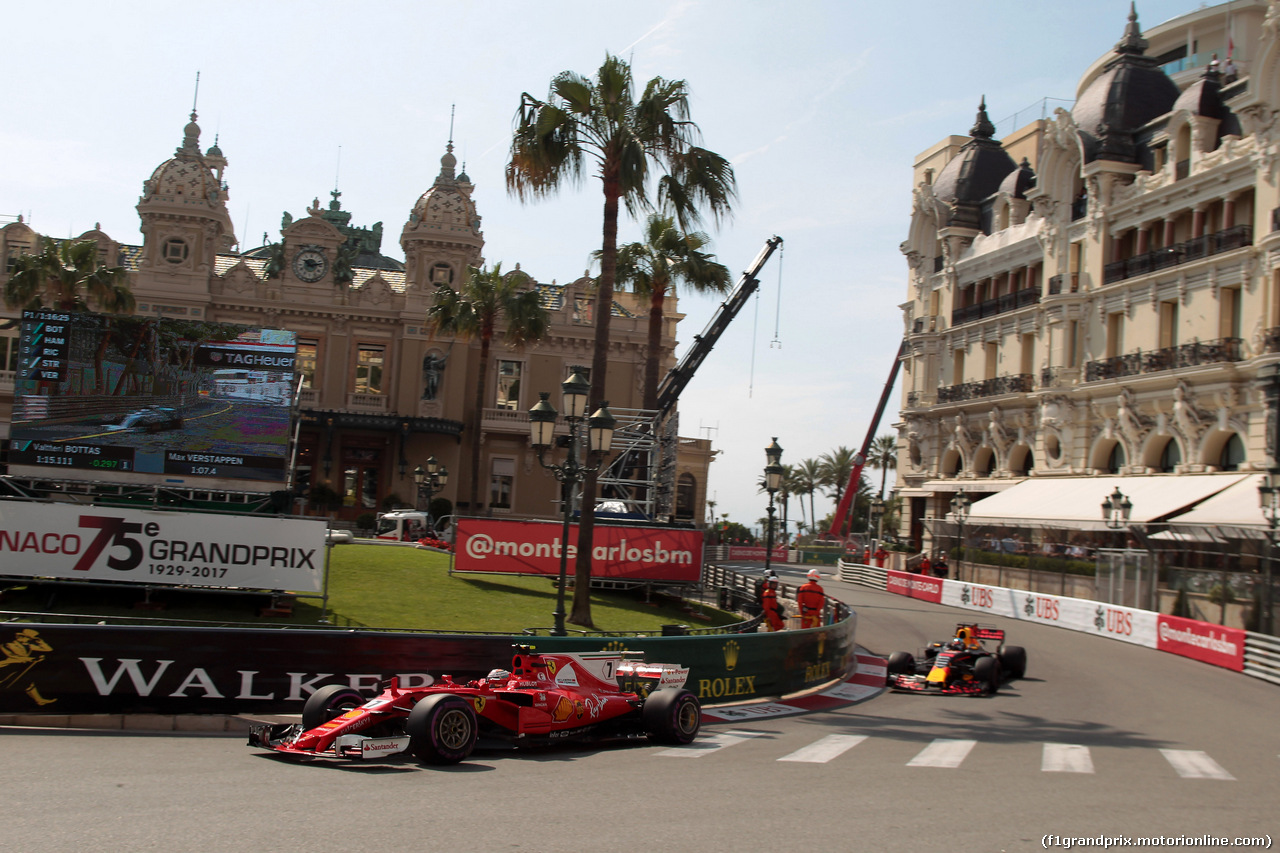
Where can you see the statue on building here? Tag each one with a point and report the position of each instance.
(432, 372)
(997, 435)
(1127, 420)
(1185, 416)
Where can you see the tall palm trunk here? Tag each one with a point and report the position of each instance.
(581, 611)
(657, 301)
(477, 416)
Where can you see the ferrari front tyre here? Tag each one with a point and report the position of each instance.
(1013, 660)
(672, 716)
(441, 729)
(986, 670)
(327, 703)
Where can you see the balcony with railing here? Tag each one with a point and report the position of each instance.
(309, 398)
(1017, 383)
(505, 420)
(1194, 249)
(1058, 282)
(999, 305)
(1219, 351)
(376, 403)
(1058, 377)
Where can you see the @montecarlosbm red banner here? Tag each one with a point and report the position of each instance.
(1203, 641)
(922, 587)
(535, 547)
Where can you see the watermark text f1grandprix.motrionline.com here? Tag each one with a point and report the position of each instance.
(1106, 842)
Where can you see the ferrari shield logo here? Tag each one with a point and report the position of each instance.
(478, 701)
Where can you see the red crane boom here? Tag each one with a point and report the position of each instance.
(855, 476)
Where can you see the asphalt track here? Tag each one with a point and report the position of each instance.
(1101, 739)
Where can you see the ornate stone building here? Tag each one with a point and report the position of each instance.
(380, 394)
(1097, 294)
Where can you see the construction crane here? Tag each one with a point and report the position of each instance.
(634, 475)
(859, 461)
(676, 380)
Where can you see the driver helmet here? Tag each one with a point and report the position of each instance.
(770, 576)
(963, 636)
(496, 675)
(813, 575)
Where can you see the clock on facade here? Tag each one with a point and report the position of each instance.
(310, 264)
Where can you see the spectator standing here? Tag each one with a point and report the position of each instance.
(769, 602)
(880, 556)
(925, 566)
(812, 600)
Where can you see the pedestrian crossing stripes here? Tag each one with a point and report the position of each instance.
(822, 751)
(943, 753)
(1194, 764)
(1066, 758)
(951, 753)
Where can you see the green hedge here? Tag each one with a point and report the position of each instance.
(1036, 563)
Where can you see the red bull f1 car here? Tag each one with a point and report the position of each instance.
(959, 665)
(543, 698)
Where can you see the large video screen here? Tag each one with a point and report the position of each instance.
(99, 396)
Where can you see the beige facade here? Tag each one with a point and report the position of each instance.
(381, 394)
(1097, 293)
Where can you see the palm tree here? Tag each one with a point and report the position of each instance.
(808, 480)
(66, 276)
(485, 301)
(654, 267)
(837, 466)
(599, 121)
(884, 456)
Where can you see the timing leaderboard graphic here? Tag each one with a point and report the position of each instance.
(134, 398)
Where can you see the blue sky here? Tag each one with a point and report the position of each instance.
(821, 106)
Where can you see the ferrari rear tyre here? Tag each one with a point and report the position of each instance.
(672, 716)
(1013, 660)
(987, 671)
(441, 729)
(328, 703)
(902, 663)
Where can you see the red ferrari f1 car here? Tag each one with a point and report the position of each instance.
(543, 698)
(959, 665)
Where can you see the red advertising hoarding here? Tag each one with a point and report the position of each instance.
(922, 587)
(1202, 641)
(618, 553)
(755, 552)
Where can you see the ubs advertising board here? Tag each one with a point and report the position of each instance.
(141, 399)
(161, 548)
(619, 553)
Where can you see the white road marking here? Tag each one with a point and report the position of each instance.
(943, 753)
(1194, 764)
(823, 750)
(708, 744)
(1066, 758)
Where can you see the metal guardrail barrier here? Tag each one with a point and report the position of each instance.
(863, 575)
(1262, 656)
(1261, 651)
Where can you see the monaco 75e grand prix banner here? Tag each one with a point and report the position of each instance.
(144, 546)
(622, 553)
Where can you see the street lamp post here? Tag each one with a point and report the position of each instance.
(429, 481)
(960, 506)
(772, 482)
(542, 424)
(1116, 508)
(876, 517)
(1269, 497)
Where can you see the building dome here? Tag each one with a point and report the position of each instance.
(1130, 91)
(446, 206)
(1019, 181)
(975, 173)
(186, 178)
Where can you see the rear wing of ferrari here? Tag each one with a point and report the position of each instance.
(983, 632)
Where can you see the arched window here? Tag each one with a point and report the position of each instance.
(1021, 461)
(1116, 459)
(1232, 454)
(1170, 457)
(686, 496)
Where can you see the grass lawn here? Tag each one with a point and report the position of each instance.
(373, 586)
